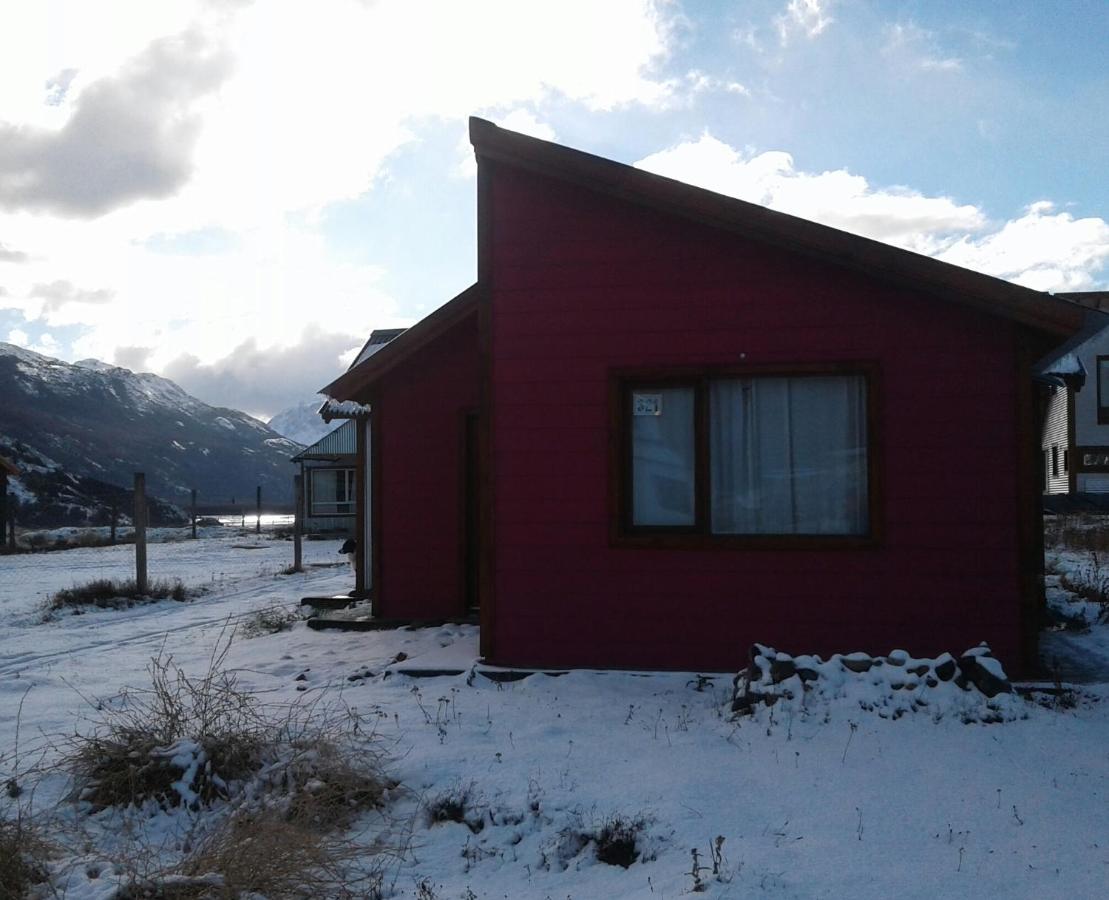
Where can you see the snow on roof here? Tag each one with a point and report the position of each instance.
(343, 409)
(1068, 364)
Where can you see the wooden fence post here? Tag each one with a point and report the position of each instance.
(298, 524)
(11, 521)
(192, 513)
(258, 508)
(112, 526)
(140, 532)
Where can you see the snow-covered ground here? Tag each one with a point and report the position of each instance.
(836, 802)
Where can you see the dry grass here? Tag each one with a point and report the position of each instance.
(109, 593)
(271, 620)
(266, 855)
(23, 859)
(1077, 532)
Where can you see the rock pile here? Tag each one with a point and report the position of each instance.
(973, 686)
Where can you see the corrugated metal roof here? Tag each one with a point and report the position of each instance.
(340, 442)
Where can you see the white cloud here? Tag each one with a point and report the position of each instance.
(19, 337)
(263, 381)
(129, 135)
(10, 254)
(178, 118)
(1041, 248)
(909, 44)
(836, 198)
(806, 17)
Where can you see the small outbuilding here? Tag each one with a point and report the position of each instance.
(665, 424)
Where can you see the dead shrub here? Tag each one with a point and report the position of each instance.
(182, 740)
(329, 786)
(457, 804)
(194, 741)
(617, 840)
(23, 859)
(109, 593)
(271, 620)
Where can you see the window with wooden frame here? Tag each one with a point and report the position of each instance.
(1103, 390)
(1055, 462)
(331, 492)
(755, 457)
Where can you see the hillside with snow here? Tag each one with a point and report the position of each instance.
(96, 421)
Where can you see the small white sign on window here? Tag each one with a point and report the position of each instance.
(646, 404)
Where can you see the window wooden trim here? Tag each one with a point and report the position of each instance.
(698, 536)
(1102, 401)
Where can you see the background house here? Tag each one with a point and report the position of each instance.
(328, 474)
(666, 423)
(1075, 443)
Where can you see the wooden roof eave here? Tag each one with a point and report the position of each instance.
(1035, 309)
(353, 384)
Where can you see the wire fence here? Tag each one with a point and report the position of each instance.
(220, 555)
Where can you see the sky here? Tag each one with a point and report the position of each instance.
(233, 194)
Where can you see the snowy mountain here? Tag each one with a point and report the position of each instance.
(302, 423)
(95, 420)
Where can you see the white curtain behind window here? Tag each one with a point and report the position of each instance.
(663, 460)
(788, 455)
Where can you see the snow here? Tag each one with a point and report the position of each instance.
(1068, 364)
(344, 409)
(824, 803)
(224, 423)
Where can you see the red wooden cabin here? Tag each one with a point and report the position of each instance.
(665, 424)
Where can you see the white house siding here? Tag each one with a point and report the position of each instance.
(1088, 433)
(1055, 442)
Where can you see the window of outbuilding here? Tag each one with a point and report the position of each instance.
(332, 492)
(746, 457)
(1103, 390)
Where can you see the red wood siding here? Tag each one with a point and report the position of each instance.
(421, 406)
(583, 284)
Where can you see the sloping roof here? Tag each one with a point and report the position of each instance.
(8, 467)
(1089, 299)
(354, 380)
(922, 273)
(340, 442)
(379, 337)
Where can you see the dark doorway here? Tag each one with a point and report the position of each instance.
(471, 517)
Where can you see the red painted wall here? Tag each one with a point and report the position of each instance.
(583, 283)
(421, 405)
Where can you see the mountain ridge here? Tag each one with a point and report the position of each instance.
(96, 420)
